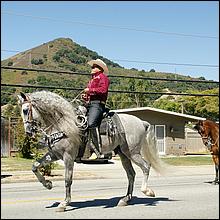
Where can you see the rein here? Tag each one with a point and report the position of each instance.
(48, 140)
(211, 139)
(53, 137)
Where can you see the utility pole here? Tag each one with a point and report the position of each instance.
(182, 108)
(30, 59)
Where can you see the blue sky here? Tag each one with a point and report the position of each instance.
(168, 36)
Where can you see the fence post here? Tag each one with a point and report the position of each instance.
(9, 137)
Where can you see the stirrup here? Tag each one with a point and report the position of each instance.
(101, 156)
(93, 156)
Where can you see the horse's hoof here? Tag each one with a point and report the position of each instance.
(61, 207)
(122, 203)
(215, 182)
(148, 192)
(48, 184)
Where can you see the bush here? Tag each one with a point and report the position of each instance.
(24, 72)
(56, 57)
(37, 61)
(10, 63)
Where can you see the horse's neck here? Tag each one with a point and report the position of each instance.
(51, 127)
(214, 133)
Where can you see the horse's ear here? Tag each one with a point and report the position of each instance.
(21, 98)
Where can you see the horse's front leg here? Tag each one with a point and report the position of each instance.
(46, 159)
(215, 159)
(69, 164)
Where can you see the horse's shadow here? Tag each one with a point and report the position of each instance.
(112, 202)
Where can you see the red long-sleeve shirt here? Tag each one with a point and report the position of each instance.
(98, 87)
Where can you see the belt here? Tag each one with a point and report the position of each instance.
(97, 101)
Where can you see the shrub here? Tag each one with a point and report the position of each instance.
(24, 72)
(37, 61)
(10, 63)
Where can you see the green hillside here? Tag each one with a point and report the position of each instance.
(63, 54)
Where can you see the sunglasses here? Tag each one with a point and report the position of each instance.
(95, 66)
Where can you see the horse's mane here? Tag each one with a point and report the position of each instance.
(57, 112)
(211, 123)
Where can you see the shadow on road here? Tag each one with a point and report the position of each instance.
(112, 202)
(213, 182)
(4, 176)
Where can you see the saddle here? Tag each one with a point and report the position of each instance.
(111, 124)
(111, 127)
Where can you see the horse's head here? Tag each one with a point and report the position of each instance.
(199, 127)
(29, 115)
(204, 132)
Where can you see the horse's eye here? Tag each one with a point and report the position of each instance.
(25, 111)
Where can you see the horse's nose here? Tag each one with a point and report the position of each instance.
(195, 127)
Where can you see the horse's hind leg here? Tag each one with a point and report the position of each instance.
(127, 165)
(215, 159)
(138, 160)
(216, 181)
(46, 159)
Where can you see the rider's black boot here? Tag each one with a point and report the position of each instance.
(95, 138)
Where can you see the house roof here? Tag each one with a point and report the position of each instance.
(188, 117)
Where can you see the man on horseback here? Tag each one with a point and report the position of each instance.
(95, 94)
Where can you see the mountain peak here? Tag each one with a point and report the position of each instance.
(61, 53)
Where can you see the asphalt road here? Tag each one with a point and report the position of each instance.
(183, 193)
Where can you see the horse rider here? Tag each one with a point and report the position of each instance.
(95, 95)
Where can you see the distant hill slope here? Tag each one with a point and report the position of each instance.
(59, 54)
(63, 54)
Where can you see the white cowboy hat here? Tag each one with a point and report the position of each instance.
(99, 63)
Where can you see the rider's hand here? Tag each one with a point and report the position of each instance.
(86, 90)
(84, 96)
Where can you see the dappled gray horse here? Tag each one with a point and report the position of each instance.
(54, 116)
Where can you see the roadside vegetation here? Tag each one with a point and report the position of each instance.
(22, 164)
(188, 160)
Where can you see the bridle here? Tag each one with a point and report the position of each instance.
(47, 140)
(30, 120)
(209, 141)
(30, 112)
(81, 121)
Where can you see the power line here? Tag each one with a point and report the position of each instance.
(182, 64)
(138, 61)
(114, 76)
(113, 91)
(110, 26)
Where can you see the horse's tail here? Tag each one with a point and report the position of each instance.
(149, 149)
